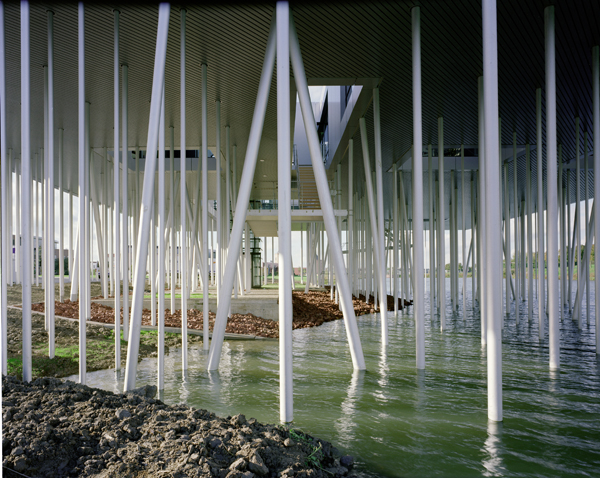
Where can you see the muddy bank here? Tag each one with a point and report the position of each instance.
(310, 310)
(100, 346)
(390, 302)
(58, 429)
(246, 324)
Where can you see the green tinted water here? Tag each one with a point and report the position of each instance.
(399, 422)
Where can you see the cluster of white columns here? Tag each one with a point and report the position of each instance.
(180, 259)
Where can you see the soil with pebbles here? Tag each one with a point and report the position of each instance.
(55, 428)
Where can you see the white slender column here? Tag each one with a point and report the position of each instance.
(18, 207)
(49, 230)
(561, 235)
(578, 207)
(227, 207)
(431, 236)
(492, 214)
(540, 216)
(85, 259)
(219, 210)
(172, 195)
(147, 195)
(587, 227)
(417, 190)
(551, 161)
(452, 229)
(518, 262)
(82, 194)
(596, 133)
(71, 243)
(61, 225)
(351, 251)
(474, 241)
(105, 228)
(481, 214)
(116, 272)
(161, 244)
(286, 403)
(395, 229)
(356, 352)
(125, 161)
(463, 226)
(183, 262)
(442, 226)
(6, 173)
(507, 255)
(529, 235)
(380, 234)
(25, 232)
(205, 307)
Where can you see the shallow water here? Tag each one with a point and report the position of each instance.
(400, 422)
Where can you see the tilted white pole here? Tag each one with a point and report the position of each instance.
(161, 244)
(356, 352)
(205, 252)
(596, 119)
(372, 219)
(147, 195)
(82, 183)
(551, 162)
(116, 272)
(182, 200)
(380, 235)
(540, 216)
(241, 207)
(49, 231)
(284, 197)
(417, 179)
(6, 178)
(493, 249)
(125, 199)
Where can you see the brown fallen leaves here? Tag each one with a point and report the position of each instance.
(310, 310)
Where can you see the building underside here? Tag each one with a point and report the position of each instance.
(453, 120)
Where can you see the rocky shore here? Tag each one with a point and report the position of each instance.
(55, 428)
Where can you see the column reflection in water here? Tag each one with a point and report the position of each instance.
(382, 395)
(346, 426)
(184, 391)
(492, 449)
(420, 397)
